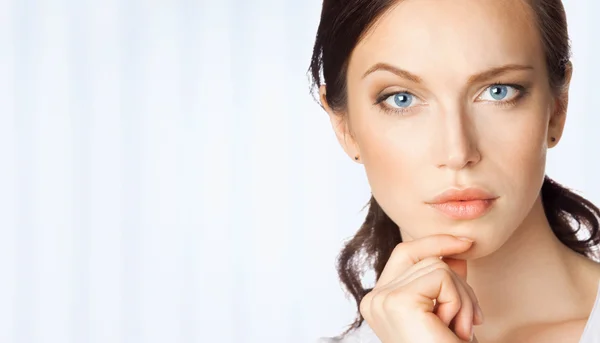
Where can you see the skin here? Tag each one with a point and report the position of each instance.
(455, 135)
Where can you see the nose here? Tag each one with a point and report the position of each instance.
(456, 145)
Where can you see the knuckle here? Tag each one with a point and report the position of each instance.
(365, 304)
(456, 305)
(430, 261)
(398, 248)
(378, 299)
(442, 265)
(395, 301)
(443, 273)
(399, 252)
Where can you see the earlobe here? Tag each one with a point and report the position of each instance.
(559, 114)
(340, 127)
(323, 98)
(568, 73)
(557, 122)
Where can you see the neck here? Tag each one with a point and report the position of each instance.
(516, 283)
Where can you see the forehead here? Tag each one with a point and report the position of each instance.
(444, 38)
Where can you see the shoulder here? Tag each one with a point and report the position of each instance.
(574, 331)
(591, 326)
(583, 330)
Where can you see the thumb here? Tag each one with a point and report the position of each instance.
(457, 266)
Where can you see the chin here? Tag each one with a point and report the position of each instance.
(483, 246)
(476, 251)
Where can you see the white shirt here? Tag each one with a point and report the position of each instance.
(364, 334)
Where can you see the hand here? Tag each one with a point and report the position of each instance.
(422, 298)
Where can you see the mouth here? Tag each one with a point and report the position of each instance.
(465, 204)
(464, 209)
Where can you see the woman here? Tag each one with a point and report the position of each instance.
(451, 106)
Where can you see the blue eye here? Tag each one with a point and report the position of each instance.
(403, 99)
(400, 100)
(499, 93)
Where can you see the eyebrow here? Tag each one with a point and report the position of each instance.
(479, 77)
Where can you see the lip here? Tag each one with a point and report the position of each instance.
(463, 204)
(466, 194)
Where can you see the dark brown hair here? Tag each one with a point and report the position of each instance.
(343, 24)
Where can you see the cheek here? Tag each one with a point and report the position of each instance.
(389, 162)
(394, 159)
(517, 149)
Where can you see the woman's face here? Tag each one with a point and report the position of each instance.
(425, 115)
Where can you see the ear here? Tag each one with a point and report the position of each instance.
(558, 116)
(341, 127)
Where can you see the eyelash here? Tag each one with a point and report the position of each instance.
(521, 90)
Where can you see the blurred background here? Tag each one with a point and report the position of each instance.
(165, 175)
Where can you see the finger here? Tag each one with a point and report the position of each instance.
(437, 285)
(458, 320)
(445, 316)
(468, 315)
(422, 268)
(407, 254)
(463, 320)
(477, 313)
(460, 268)
(443, 286)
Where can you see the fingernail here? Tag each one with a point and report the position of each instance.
(472, 334)
(465, 239)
